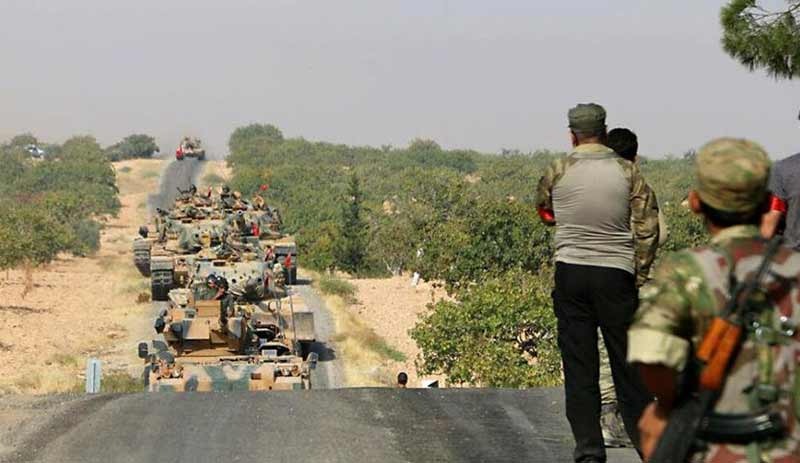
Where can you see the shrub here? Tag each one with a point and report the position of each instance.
(337, 287)
(500, 333)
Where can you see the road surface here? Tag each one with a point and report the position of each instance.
(330, 371)
(343, 425)
(177, 174)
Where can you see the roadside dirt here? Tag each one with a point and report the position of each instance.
(80, 307)
(214, 174)
(391, 307)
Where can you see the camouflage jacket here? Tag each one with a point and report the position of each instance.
(691, 287)
(641, 221)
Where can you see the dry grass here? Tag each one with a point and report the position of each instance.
(62, 359)
(214, 174)
(391, 307)
(368, 357)
(82, 307)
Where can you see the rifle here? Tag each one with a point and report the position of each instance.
(693, 416)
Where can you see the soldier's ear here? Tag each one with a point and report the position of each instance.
(695, 205)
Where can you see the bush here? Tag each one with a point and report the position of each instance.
(337, 287)
(132, 147)
(213, 179)
(50, 206)
(484, 238)
(500, 333)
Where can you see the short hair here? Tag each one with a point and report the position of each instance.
(624, 142)
(402, 378)
(725, 219)
(582, 135)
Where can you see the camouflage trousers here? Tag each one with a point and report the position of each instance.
(607, 394)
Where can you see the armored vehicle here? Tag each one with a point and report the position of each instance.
(190, 148)
(238, 344)
(172, 258)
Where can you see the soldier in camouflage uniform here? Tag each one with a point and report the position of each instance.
(606, 221)
(691, 287)
(625, 143)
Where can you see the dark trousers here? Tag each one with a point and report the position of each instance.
(584, 298)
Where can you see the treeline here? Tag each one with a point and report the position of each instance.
(49, 205)
(459, 217)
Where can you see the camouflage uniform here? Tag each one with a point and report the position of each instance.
(691, 287)
(643, 203)
(606, 220)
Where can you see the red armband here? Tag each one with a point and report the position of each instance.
(777, 204)
(546, 214)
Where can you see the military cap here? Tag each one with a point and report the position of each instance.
(732, 174)
(587, 117)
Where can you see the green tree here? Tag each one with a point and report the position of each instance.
(132, 146)
(429, 153)
(22, 140)
(499, 334)
(761, 38)
(267, 133)
(319, 246)
(351, 242)
(484, 238)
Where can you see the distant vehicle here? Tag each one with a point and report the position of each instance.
(35, 151)
(190, 147)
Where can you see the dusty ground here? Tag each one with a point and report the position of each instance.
(391, 307)
(80, 307)
(214, 174)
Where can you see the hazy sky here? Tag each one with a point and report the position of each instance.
(482, 74)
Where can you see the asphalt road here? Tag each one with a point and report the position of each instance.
(344, 425)
(330, 371)
(177, 174)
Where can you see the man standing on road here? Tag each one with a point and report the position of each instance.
(626, 144)
(606, 234)
(691, 287)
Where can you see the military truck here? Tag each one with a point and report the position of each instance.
(260, 345)
(190, 148)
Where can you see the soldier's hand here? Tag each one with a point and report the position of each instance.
(651, 427)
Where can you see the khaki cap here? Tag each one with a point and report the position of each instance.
(732, 174)
(587, 117)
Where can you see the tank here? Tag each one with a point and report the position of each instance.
(261, 345)
(172, 259)
(200, 228)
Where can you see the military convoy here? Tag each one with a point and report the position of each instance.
(253, 335)
(205, 224)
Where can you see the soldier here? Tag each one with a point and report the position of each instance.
(226, 200)
(606, 223)
(206, 290)
(278, 276)
(269, 255)
(402, 380)
(258, 202)
(784, 211)
(625, 143)
(692, 286)
(222, 295)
